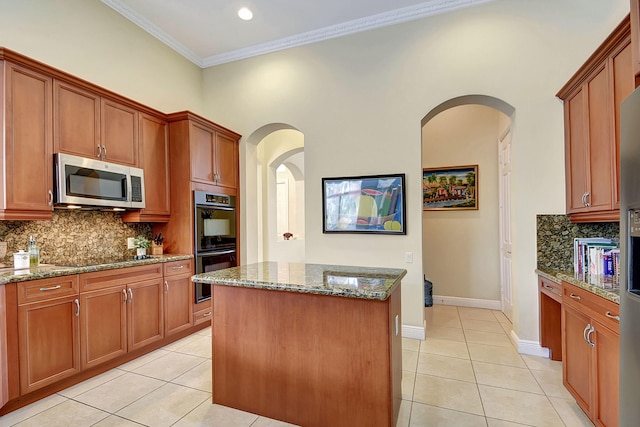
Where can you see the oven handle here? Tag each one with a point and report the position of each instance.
(215, 207)
(207, 254)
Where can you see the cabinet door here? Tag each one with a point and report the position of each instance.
(635, 35)
(154, 149)
(575, 151)
(201, 142)
(600, 142)
(119, 125)
(144, 313)
(76, 121)
(226, 159)
(576, 356)
(103, 321)
(178, 314)
(28, 145)
(607, 375)
(49, 342)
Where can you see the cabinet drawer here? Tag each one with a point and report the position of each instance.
(44, 289)
(119, 276)
(550, 288)
(598, 308)
(175, 268)
(202, 316)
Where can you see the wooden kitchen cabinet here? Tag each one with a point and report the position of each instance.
(48, 331)
(635, 38)
(154, 159)
(550, 317)
(95, 127)
(592, 101)
(590, 353)
(122, 311)
(178, 296)
(213, 150)
(27, 164)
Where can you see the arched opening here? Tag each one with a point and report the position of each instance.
(274, 204)
(467, 253)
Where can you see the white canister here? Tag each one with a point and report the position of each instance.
(20, 259)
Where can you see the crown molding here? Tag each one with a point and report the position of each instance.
(154, 30)
(422, 10)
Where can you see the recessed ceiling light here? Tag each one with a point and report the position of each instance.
(245, 14)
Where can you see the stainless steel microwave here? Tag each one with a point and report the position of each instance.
(82, 183)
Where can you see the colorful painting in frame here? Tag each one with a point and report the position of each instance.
(450, 188)
(364, 204)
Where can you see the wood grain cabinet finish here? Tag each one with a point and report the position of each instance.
(635, 38)
(592, 101)
(590, 353)
(88, 125)
(122, 311)
(550, 317)
(27, 184)
(178, 296)
(154, 159)
(49, 339)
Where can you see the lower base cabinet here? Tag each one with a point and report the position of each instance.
(49, 342)
(178, 295)
(591, 353)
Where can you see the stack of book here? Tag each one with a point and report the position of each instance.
(597, 261)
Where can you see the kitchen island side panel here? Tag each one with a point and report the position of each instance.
(307, 359)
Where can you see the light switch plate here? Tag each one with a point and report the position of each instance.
(408, 257)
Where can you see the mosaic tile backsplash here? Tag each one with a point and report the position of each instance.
(71, 235)
(555, 239)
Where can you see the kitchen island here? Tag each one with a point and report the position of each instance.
(309, 344)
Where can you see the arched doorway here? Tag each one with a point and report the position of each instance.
(274, 195)
(467, 253)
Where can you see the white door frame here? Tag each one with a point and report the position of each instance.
(506, 277)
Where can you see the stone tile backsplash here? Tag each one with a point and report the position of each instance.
(71, 235)
(555, 239)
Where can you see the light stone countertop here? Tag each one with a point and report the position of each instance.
(10, 275)
(334, 280)
(559, 276)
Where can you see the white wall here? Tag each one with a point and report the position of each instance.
(461, 249)
(359, 101)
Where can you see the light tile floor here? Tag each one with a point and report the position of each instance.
(466, 373)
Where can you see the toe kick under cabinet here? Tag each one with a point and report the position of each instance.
(590, 353)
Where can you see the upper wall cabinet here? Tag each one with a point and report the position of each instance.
(154, 159)
(635, 39)
(592, 101)
(26, 179)
(88, 125)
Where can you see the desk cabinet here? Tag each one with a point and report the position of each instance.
(590, 353)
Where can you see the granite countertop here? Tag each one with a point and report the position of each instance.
(335, 280)
(567, 276)
(86, 265)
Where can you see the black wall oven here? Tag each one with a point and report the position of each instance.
(215, 236)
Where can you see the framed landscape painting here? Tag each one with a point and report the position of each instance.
(364, 204)
(450, 188)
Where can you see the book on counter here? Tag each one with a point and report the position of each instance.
(596, 261)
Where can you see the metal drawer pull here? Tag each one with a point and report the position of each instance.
(584, 333)
(576, 297)
(104, 156)
(50, 198)
(124, 291)
(591, 343)
(130, 295)
(77, 307)
(548, 286)
(53, 288)
(166, 287)
(99, 155)
(180, 267)
(611, 316)
(207, 314)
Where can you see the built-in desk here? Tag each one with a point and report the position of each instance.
(312, 345)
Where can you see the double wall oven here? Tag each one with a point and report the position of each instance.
(215, 236)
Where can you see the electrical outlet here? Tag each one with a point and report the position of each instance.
(130, 244)
(408, 257)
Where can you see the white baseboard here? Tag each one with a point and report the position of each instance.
(468, 302)
(415, 332)
(532, 348)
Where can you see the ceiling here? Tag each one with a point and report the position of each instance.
(209, 32)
